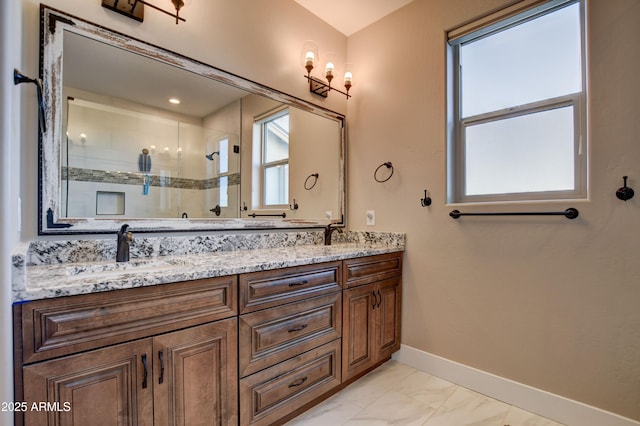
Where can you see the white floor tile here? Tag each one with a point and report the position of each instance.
(396, 394)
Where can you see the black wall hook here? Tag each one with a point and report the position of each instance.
(19, 78)
(426, 201)
(625, 193)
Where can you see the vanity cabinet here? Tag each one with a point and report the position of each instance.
(372, 312)
(249, 349)
(290, 346)
(165, 354)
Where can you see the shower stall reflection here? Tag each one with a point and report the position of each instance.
(158, 160)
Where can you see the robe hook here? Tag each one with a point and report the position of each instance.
(426, 201)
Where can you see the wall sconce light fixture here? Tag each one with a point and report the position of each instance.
(134, 9)
(321, 87)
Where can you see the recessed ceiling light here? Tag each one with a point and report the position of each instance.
(174, 101)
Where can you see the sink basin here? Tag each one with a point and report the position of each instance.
(133, 265)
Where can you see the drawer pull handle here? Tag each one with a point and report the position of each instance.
(161, 358)
(299, 283)
(298, 382)
(145, 372)
(379, 299)
(298, 328)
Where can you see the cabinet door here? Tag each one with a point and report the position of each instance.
(110, 386)
(388, 313)
(358, 333)
(195, 373)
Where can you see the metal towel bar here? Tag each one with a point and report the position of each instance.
(570, 213)
(266, 215)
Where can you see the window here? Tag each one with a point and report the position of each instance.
(223, 171)
(518, 106)
(274, 163)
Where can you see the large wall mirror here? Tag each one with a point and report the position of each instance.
(141, 135)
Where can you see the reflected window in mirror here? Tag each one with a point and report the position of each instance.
(274, 161)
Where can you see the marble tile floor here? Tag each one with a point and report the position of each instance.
(396, 394)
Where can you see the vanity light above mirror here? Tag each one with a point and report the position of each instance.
(134, 9)
(317, 85)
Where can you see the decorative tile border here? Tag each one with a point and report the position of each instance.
(137, 178)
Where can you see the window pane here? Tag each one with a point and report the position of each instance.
(224, 191)
(529, 153)
(536, 60)
(276, 134)
(223, 148)
(276, 185)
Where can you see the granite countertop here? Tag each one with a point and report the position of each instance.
(44, 281)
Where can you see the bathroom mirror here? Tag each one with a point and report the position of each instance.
(228, 154)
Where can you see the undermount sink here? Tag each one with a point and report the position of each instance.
(133, 265)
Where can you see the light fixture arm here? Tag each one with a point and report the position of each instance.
(177, 3)
(131, 10)
(322, 88)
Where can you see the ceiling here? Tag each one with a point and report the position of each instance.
(350, 16)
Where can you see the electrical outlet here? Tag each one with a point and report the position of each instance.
(371, 217)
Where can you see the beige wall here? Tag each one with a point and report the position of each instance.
(548, 302)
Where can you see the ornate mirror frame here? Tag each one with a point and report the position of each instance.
(54, 24)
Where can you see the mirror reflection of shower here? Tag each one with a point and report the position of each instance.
(210, 156)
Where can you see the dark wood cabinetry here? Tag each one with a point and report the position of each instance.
(290, 328)
(372, 313)
(138, 371)
(108, 386)
(249, 349)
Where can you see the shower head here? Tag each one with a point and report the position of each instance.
(210, 156)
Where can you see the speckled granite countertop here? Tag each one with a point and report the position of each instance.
(46, 279)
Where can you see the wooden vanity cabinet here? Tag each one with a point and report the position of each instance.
(290, 347)
(372, 306)
(105, 386)
(248, 349)
(160, 355)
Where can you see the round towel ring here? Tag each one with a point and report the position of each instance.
(308, 186)
(389, 166)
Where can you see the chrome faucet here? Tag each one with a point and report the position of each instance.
(124, 237)
(327, 234)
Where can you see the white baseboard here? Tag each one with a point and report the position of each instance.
(546, 404)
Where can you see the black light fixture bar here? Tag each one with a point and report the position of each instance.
(322, 88)
(130, 9)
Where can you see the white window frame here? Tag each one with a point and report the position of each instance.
(456, 126)
(263, 165)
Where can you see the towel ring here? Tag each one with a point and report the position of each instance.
(308, 186)
(389, 166)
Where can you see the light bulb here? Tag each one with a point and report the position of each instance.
(329, 69)
(308, 58)
(347, 80)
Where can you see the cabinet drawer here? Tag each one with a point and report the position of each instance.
(265, 289)
(273, 335)
(273, 393)
(365, 270)
(56, 327)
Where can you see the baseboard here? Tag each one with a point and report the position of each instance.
(546, 404)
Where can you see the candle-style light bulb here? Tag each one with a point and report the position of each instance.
(348, 77)
(308, 59)
(329, 72)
